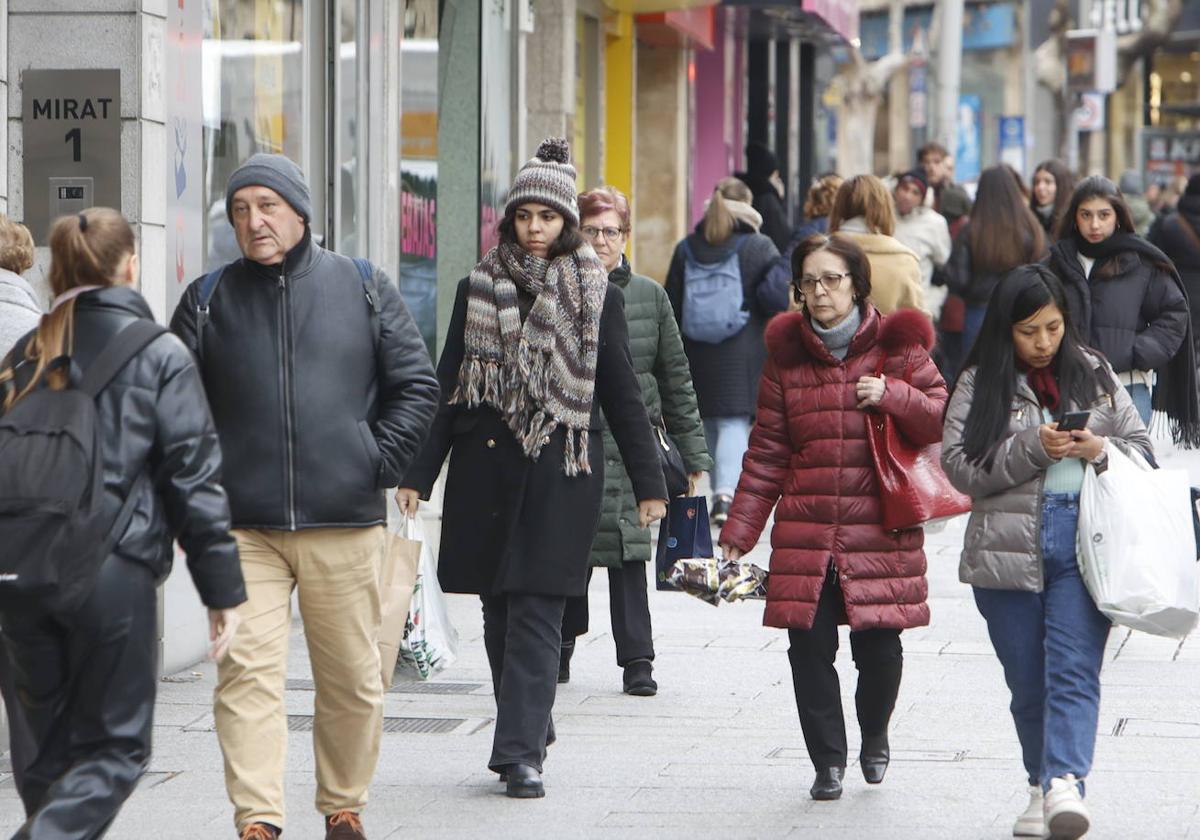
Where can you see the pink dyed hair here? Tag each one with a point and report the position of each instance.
(594, 202)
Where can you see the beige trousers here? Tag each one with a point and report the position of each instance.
(335, 571)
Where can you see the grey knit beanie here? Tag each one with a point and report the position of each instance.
(276, 172)
(548, 178)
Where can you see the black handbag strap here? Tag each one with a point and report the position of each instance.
(119, 351)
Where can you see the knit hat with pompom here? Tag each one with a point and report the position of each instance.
(547, 178)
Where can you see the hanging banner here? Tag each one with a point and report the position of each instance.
(1012, 142)
(185, 147)
(969, 148)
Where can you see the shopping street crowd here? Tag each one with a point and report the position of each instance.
(574, 401)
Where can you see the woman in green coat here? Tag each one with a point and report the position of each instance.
(662, 370)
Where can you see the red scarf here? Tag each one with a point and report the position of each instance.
(1044, 384)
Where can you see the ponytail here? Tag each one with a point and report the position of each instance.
(86, 249)
(718, 221)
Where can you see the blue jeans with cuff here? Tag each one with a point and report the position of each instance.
(1051, 644)
(728, 438)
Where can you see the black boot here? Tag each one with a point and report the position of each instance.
(524, 782)
(874, 758)
(828, 784)
(564, 662)
(638, 679)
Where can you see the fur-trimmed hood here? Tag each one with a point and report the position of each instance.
(791, 340)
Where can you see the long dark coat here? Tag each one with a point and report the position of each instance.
(1183, 248)
(726, 374)
(514, 525)
(810, 460)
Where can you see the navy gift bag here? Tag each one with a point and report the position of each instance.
(683, 534)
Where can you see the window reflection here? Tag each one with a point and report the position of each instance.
(253, 97)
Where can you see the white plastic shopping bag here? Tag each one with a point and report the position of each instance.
(430, 641)
(1137, 548)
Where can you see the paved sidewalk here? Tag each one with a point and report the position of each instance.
(719, 749)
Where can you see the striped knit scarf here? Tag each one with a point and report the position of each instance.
(541, 374)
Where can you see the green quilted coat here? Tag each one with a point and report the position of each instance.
(666, 380)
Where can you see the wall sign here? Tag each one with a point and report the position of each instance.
(71, 125)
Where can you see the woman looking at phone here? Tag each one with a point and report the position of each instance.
(1005, 444)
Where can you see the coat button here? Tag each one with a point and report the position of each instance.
(491, 443)
(546, 439)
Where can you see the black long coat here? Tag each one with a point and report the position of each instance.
(1176, 242)
(514, 525)
(726, 375)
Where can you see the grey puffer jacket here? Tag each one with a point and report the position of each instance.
(1003, 548)
(19, 309)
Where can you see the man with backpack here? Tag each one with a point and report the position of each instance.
(322, 392)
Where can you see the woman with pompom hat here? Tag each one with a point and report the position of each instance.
(537, 347)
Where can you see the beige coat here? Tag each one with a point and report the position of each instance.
(1002, 549)
(895, 269)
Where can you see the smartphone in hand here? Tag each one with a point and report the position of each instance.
(1074, 421)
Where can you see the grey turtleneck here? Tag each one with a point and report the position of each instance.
(837, 339)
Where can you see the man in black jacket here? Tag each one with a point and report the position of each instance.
(322, 392)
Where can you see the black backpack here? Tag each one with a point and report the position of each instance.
(52, 528)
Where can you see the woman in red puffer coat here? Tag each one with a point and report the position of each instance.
(831, 561)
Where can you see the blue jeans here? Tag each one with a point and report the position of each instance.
(1140, 395)
(972, 323)
(727, 439)
(1051, 645)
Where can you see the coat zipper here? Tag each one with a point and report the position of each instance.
(288, 421)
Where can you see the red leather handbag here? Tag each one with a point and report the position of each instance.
(913, 489)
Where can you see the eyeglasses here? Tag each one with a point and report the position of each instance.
(610, 233)
(830, 281)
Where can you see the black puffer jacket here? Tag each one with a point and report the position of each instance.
(153, 417)
(315, 418)
(1132, 311)
(1183, 247)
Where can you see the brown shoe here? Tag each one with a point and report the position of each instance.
(344, 825)
(259, 831)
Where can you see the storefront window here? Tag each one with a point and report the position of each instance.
(348, 198)
(419, 165)
(253, 99)
(495, 117)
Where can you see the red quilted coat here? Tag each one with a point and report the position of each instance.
(809, 453)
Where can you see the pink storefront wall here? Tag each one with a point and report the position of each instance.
(718, 121)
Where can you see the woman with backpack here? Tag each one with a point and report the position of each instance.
(666, 385)
(1002, 446)
(537, 346)
(713, 285)
(86, 654)
(1128, 302)
(1002, 233)
(834, 366)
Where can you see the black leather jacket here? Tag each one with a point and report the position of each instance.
(154, 418)
(315, 417)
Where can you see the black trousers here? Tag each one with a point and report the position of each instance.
(522, 635)
(629, 608)
(87, 683)
(21, 745)
(879, 659)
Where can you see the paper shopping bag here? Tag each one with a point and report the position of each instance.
(684, 534)
(397, 577)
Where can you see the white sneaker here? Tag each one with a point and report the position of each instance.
(1031, 823)
(1064, 812)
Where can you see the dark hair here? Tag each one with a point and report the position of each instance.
(931, 148)
(1095, 186)
(1016, 298)
(843, 246)
(1003, 232)
(569, 238)
(1064, 184)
